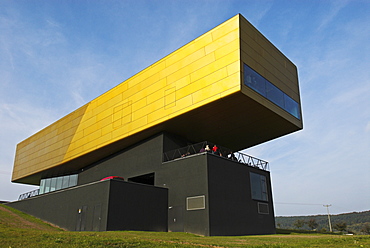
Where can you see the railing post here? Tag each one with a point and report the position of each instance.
(28, 194)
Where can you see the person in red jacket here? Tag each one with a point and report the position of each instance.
(215, 149)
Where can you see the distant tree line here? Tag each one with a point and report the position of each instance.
(356, 222)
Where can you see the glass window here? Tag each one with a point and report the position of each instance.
(65, 182)
(56, 183)
(274, 94)
(59, 183)
(73, 180)
(292, 107)
(258, 187)
(53, 184)
(262, 86)
(254, 80)
(42, 186)
(47, 185)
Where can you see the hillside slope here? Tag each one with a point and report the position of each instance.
(355, 221)
(21, 230)
(11, 218)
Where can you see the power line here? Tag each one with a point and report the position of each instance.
(295, 203)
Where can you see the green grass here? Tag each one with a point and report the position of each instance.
(13, 233)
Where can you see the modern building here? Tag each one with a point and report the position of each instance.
(229, 87)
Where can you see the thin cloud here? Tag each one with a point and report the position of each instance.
(367, 128)
(336, 7)
(18, 121)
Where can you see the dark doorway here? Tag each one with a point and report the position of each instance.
(81, 218)
(144, 179)
(175, 219)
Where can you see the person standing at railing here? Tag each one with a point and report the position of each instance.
(207, 148)
(232, 156)
(215, 150)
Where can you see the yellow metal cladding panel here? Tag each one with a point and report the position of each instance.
(204, 70)
(262, 56)
(35, 153)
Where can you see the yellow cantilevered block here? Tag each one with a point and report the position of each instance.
(204, 70)
(199, 92)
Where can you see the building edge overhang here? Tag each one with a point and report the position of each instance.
(193, 126)
(214, 112)
(83, 114)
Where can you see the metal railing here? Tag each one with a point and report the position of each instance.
(28, 194)
(224, 152)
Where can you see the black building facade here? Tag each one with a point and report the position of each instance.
(202, 193)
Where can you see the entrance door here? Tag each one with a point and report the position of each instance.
(175, 219)
(96, 218)
(81, 218)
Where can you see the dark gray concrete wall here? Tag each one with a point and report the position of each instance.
(140, 159)
(102, 206)
(232, 209)
(120, 205)
(185, 177)
(172, 142)
(72, 209)
(140, 207)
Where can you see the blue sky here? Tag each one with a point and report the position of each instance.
(57, 55)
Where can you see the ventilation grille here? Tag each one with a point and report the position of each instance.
(196, 202)
(263, 208)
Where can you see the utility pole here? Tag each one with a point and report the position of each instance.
(327, 208)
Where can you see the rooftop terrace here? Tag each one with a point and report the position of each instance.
(207, 147)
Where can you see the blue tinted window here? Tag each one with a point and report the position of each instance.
(292, 106)
(254, 80)
(274, 94)
(262, 86)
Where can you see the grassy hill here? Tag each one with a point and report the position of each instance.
(355, 221)
(12, 219)
(21, 230)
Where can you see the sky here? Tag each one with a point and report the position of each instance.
(57, 55)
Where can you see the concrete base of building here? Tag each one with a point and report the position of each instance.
(102, 206)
